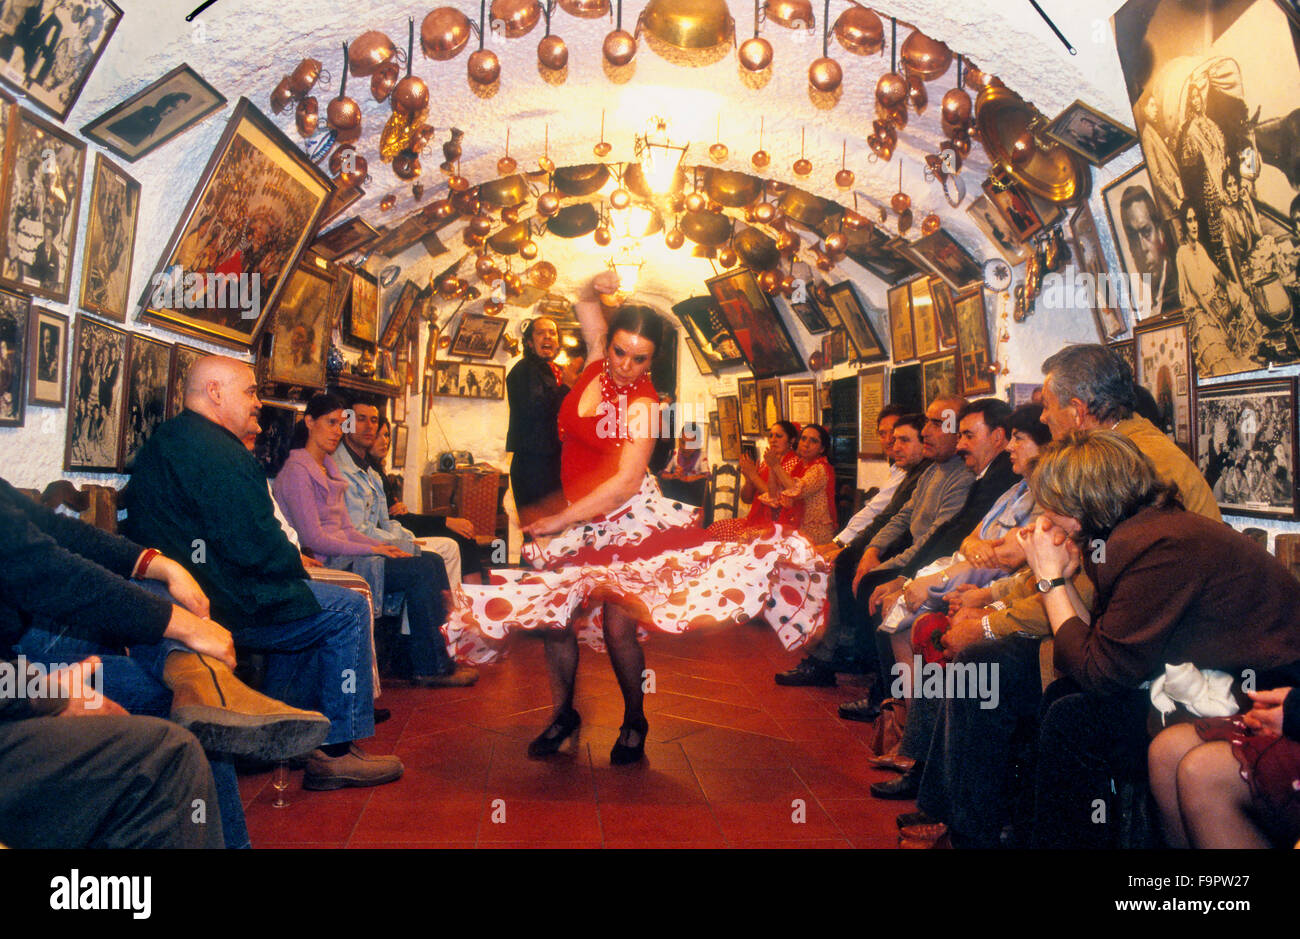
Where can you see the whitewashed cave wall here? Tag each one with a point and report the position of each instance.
(244, 46)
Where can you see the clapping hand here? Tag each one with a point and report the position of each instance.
(1266, 715)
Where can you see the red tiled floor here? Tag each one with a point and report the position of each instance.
(733, 760)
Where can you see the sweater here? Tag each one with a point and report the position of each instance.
(939, 495)
(990, 486)
(313, 499)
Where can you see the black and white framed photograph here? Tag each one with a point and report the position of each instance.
(15, 314)
(942, 254)
(478, 335)
(994, 227)
(183, 357)
(1091, 134)
(1213, 90)
(48, 48)
(725, 425)
(47, 362)
(1246, 445)
(1147, 243)
(401, 438)
(145, 404)
(95, 397)
(706, 331)
(852, 311)
(469, 380)
(1089, 259)
(804, 305)
(751, 421)
(1164, 368)
(156, 114)
(110, 240)
(43, 171)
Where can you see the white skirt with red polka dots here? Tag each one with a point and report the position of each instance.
(650, 557)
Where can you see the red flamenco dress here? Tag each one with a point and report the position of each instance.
(761, 517)
(649, 555)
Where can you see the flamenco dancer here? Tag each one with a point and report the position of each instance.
(620, 554)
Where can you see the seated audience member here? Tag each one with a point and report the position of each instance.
(106, 780)
(762, 486)
(68, 594)
(197, 494)
(813, 494)
(967, 775)
(841, 647)
(688, 462)
(459, 530)
(1231, 782)
(885, 422)
(367, 502)
(1167, 581)
(311, 492)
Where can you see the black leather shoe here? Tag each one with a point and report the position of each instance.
(623, 753)
(549, 740)
(864, 709)
(908, 819)
(382, 714)
(808, 674)
(904, 787)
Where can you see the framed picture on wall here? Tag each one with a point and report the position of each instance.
(44, 168)
(469, 380)
(1246, 446)
(755, 324)
(923, 325)
(110, 240)
(906, 387)
(49, 48)
(478, 335)
(902, 339)
(938, 378)
(974, 350)
(729, 426)
(835, 347)
(145, 404)
(801, 401)
(182, 358)
(945, 314)
(1015, 210)
(345, 238)
(407, 302)
(880, 255)
(301, 325)
(401, 438)
(942, 254)
(805, 306)
(15, 317)
(872, 390)
(1164, 368)
(245, 226)
(361, 318)
(47, 363)
(1127, 350)
(95, 399)
(994, 227)
(339, 201)
(154, 115)
(1146, 241)
(751, 423)
(1090, 260)
(770, 404)
(1091, 134)
(1021, 392)
(853, 314)
(706, 330)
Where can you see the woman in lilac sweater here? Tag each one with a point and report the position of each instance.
(310, 491)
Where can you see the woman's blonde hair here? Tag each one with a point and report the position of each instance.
(1099, 478)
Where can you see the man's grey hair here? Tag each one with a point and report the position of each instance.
(1098, 377)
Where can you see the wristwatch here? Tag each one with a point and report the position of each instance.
(1044, 585)
(839, 544)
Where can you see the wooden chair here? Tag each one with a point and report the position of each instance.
(438, 493)
(724, 500)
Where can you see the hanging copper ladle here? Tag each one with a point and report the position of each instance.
(343, 114)
(411, 96)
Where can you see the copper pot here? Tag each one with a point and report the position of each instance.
(528, 250)
(443, 33)
(369, 51)
(792, 14)
(410, 97)
(825, 75)
(542, 274)
(916, 93)
(727, 257)
(343, 114)
(552, 53)
(619, 47)
(924, 57)
(384, 79)
(281, 96)
(406, 165)
(347, 179)
(484, 67)
(836, 243)
(517, 17)
(304, 77)
(891, 90)
(480, 225)
(860, 30)
(956, 106)
(442, 209)
(755, 54)
(585, 9)
(307, 116)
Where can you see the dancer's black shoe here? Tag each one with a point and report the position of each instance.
(550, 740)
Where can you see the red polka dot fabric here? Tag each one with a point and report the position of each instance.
(651, 557)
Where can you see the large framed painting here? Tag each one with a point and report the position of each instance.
(156, 114)
(902, 339)
(95, 398)
(15, 314)
(470, 380)
(872, 391)
(849, 306)
(1012, 204)
(729, 426)
(48, 48)
(183, 357)
(43, 171)
(924, 327)
(110, 240)
(751, 422)
(478, 335)
(1246, 446)
(974, 350)
(240, 235)
(145, 404)
(880, 255)
(361, 312)
(941, 253)
(945, 315)
(1213, 90)
(301, 325)
(1147, 243)
(938, 378)
(47, 363)
(706, 331)
(1164, 368)
(1089, 260)
(755, 324)
(407, 302)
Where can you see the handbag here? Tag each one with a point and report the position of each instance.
(887, 729)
